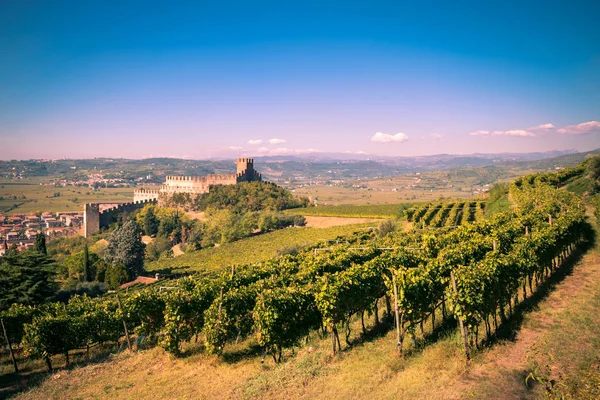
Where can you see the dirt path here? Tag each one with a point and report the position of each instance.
(177, 250)
(501, 371)
(196, 215)
(328, 222)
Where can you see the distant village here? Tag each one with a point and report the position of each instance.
(20, 230)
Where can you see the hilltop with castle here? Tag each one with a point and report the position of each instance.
(195, 185)
(99, 215)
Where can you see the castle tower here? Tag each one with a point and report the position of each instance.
(91, 219)
(245, 166)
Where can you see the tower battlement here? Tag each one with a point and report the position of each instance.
(244, 164)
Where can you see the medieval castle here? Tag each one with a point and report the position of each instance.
(195, 185)
(97, 215)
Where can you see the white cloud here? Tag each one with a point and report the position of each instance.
(515, 132)
(436, 136)
(578, 129)
(255, 141)
(234, 148)
(581, 129)
(283, 151)
(542, 127)
(276, 141)
(360, 152)
(381, 137)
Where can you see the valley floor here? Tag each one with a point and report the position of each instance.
(557, 328)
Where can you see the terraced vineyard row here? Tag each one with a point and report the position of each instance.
(445, 214)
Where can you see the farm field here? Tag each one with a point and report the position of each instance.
(251, 250)
(461, 183)
(340, 195)
(33, 197)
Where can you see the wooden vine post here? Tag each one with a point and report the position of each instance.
(12, 355)
(124, 324)
(398, 340)
(463, 328)
(332, 325)
(220, 303)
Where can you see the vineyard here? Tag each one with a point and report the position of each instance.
(475, 274)
(254, 249)
(445, 214)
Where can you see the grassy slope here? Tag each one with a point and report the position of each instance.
(250, 250)
(560, 320)
(353, 211)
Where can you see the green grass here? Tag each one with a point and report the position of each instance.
(250, 250)
(354, 211)
(580, 186)
(35, 197)
(499, 205)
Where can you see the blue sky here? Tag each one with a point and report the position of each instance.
(197, 79)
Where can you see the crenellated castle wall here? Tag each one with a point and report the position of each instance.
(145, 195)
(94, 219)
(195, 185)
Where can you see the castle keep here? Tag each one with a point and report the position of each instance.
(195, 185)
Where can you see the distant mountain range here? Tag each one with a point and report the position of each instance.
(313, 167)
(475, 159)
(339, 166)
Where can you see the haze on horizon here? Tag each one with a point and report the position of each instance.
(199, 79)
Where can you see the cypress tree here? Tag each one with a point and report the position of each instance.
(86, 263)
(40, 243)
(151, 222)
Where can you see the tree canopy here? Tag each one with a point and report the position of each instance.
(26, 278)
(125, 249)
(249, 196)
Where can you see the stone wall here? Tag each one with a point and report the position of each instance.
(145, 194)
(94, 220)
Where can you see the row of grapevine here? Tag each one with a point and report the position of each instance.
(437, 215)
(455, 215)
(442, 216)
(468, 213)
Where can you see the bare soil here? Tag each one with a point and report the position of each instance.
(328, 222)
